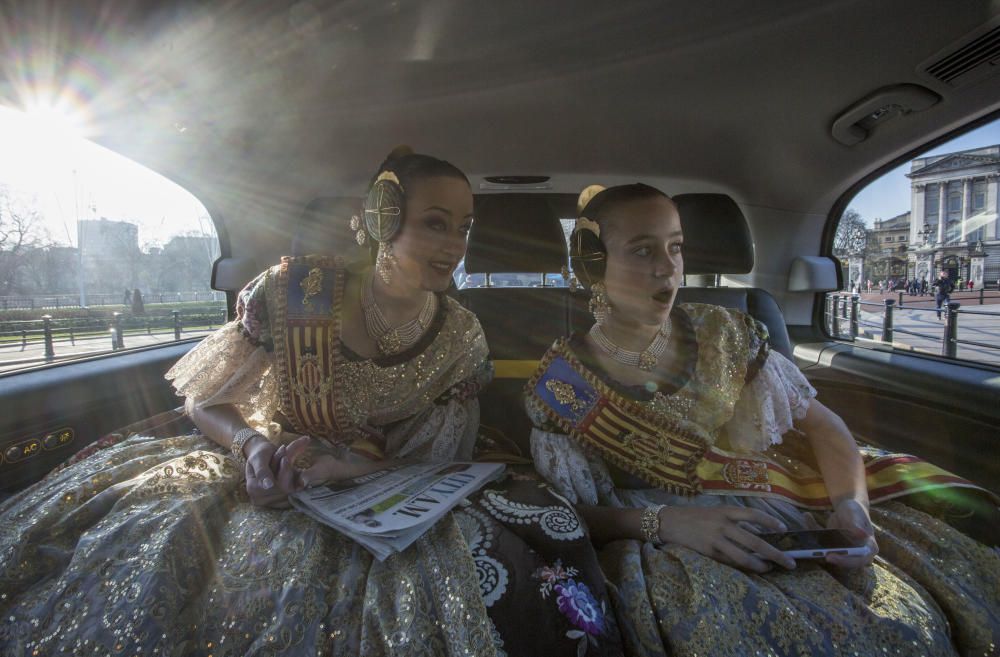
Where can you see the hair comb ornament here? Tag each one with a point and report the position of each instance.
(586, 224)
(384, 207)
(383, 217)
(589, 192)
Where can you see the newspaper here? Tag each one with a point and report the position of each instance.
(386, 511)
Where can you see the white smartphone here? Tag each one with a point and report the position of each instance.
(816, 543)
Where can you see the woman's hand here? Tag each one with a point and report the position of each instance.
(723, 534)
(320, 467)
(851, 517)
(260, 471)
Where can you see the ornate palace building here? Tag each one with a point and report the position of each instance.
(954, 216)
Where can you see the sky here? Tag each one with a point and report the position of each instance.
(65, 177)
(889, 195)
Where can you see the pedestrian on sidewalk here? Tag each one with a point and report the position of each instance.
(943, 288)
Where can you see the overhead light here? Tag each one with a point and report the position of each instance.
(519, 188)
(519, 183)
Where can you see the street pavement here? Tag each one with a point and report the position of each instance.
(916, 326)
(13, 357)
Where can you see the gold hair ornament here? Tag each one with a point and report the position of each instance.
(589, 192)
(587, 224)
(384, 207)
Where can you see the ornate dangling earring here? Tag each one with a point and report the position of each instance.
(385, 261)
(599, 305)
(359, 233)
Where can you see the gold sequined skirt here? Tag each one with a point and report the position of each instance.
(151, 547)
(931, 591)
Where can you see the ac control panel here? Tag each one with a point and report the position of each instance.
(35, 445)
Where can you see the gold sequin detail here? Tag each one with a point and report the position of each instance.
(565, 394)
(311, 286)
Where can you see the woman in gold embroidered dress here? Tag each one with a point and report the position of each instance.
(156, 545)
(664, 425)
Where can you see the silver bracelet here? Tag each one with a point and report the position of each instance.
(650, 525)
(239, 440)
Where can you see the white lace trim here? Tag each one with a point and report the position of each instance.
(769, 406)
(575, 475)
(225, 368)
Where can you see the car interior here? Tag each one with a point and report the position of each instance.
(761, 120)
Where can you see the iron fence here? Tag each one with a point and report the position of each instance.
(844, 319)
(57, 301)
(116, 327)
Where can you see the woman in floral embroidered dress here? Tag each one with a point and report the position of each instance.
(664, 425)
(157, 545)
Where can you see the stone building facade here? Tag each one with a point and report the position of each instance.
(954, 216)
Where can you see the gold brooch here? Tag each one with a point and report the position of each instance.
(311, 286)
(565, 395)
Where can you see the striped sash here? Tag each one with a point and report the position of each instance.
(623, 433)
(304, 301)
(665, 455)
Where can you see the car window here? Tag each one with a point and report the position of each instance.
(516, 279)
(920, 250)
(97, 253)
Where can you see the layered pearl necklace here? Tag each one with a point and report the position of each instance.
(392, 340)
(646, 359)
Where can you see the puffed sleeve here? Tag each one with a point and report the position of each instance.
(776, 396)
(233, 365)
(579, 477)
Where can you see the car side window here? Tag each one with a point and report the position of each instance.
(97, 253)
(920, 252)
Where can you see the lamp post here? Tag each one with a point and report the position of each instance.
(925, 232)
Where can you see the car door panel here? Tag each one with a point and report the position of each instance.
(52, 412)
(945, 412)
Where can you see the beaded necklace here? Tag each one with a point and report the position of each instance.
(392, 340)
(646, 359)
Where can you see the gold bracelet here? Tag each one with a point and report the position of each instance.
(650, 525)
(239, 440)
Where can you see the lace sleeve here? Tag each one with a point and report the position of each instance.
(578, 476)
(769, 405)
(233, 365)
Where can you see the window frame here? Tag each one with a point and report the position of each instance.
(841, 204)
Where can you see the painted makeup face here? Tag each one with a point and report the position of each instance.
(435, 232)
(645, 265)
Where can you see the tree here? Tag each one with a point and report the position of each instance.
(851, 236)
(20, 234)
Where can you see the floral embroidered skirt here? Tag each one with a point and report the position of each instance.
(149, 546)
(931, 591)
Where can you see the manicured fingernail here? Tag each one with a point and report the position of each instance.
(266, 484)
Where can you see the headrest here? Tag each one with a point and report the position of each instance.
(516, 233)
(716, 236)
(325, 227)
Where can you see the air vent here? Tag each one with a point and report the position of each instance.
(973, 58)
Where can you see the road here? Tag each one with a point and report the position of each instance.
(918, 316)
(12, 357)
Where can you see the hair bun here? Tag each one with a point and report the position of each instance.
(399, 152)
(588, 193)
